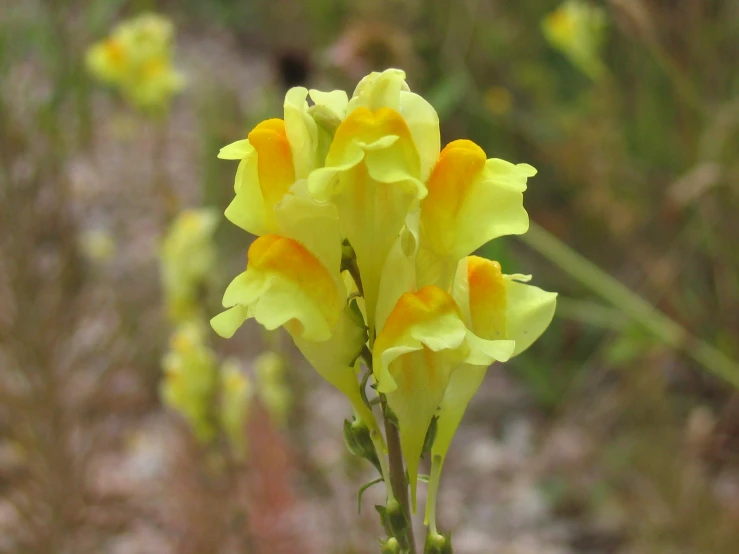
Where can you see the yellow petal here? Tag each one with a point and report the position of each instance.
(236, 150)
(335, 100)
(301, 132)
(335, 358)
(529, 313)
(284, 284)
(371, 175)
(470, 201)
(274, 160)
(423, 122)
(379, 90)
(264, 176)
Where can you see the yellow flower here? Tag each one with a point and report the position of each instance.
(136, 59)
(187, 255)
(190, 378)
(471, 200)
(295, 281)
(577, 29)
(423, 343)
(495, 307)
(276, 153)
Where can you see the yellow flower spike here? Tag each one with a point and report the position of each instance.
(423, 343)
(235, 401)
(471, 200)
(187, 255)
(264, 176)
(494, 306)
(136, 59)
(190, 378)
(371, 175)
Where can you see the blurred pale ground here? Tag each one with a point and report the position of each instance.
(613, 435)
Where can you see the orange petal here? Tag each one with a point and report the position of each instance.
(414, 308)
(460, 163)
(275, 162)
(487, 298)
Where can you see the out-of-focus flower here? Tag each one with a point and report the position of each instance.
(577, 29)
(98, 245)
(191, 379)
(235, 401)
(271, 386)
(136, 59)
(187, 257)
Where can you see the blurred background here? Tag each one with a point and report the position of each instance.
(123, 430)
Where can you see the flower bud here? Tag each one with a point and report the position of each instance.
(390, 546)
(438, 544)
(396, 518)
(359, 442)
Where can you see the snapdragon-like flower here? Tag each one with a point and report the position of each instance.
(365, 234)
(136, 59)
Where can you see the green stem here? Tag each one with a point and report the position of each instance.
(631, 304)
(398, 480)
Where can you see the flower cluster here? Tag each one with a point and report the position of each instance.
(136, 59)
(365, 233)
(213, 398)
(577, 29)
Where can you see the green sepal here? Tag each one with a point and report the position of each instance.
(391, 417)
(359, 442)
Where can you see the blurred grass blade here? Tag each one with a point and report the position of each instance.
(631, 304)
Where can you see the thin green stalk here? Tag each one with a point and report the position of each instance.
(398, 480)
(630, 303)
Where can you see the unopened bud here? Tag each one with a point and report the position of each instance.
(390, 546)
(359, 442)
(396, 518)
(438, 544)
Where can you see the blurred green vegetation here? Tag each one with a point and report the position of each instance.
(638, 174)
